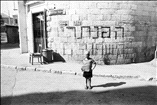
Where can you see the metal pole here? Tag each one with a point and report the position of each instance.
(41, 33)
(156, 53)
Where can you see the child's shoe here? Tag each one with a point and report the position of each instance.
(90, 88)
(86, 87)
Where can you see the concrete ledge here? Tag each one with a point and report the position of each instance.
(9, 66)
(80, 73)
(30, 68)
(116, 76)
(53, 71)
(147, 79)
(58, 72)
(43, 70)
(69, 72)
(21, 68)
(152, 79)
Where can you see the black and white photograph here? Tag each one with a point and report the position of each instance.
(68, 52)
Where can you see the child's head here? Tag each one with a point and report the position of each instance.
(87, 54)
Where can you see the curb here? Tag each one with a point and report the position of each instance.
(48, 70)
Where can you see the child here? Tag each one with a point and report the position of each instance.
(87, 69)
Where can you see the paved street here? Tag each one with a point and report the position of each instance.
(41, 88)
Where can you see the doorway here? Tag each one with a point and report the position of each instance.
(39, 31)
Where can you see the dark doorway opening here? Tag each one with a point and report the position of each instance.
(39, 31)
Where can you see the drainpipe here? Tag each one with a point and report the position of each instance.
(156, 53)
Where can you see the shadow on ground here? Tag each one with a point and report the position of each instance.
(109, 84)
(9, 45)
(57, 57)
(145, 95)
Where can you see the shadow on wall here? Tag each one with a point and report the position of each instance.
(125, 96)
(145, 55)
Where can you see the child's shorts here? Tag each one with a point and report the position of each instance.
(87, 74)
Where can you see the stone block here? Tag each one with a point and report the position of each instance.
(71, 11)
(10, 67)
(123, 12)
(83, 17)
(54, 33)
(130, 51)
(80, 52)
(87, 23)
(84, 5)
(102, 5)
(120, 61)
(126, 18)
(81, 11)
(107, 11)
(133, 6)
(99, 46)
(125, 6)
(67, 45)
(64, 39)
(48, 18)
(127, 61)
(78, 35)
(97, 23)
(115, 51)
(99, 52)
(68, 51)
(82, 46)
(49, 29)
(89, 46)
(108, 40)
(30, 68)
(92, 5)
(74, 5)
(107, 17)
(113, 57)
(91, 17)
(21, 68)
(94, 34)
(94, 11)
(115, 17)
(99, 17)
(69, 72)
(99, 40)
(114, 5)
(112, 62)
(43, 69)
(89, 40)
(97, 57)
(110, 23)
(75, 17)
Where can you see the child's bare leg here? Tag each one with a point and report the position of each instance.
(86, 84)
(90, 83)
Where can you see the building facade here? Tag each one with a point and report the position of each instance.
(115, 32)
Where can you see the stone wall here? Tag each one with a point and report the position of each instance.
(116, 32)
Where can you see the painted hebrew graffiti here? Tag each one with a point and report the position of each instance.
(105, 32)
(101, 31)
(121, 29)
(85, 29)
(73, 28)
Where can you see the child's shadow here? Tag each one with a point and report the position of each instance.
(110, 84)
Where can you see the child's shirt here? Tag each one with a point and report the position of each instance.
(87, 64)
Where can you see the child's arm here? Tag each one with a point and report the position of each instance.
(94, 65)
